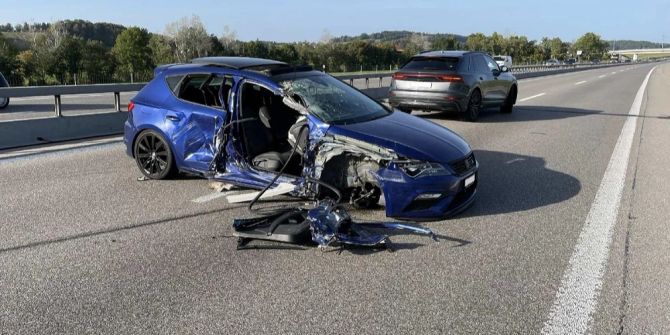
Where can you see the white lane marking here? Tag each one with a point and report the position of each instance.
(212, 196)
(613, 72)
(532, 97)
(577, 296)
(602, 76)
(515, 160)
(580, 82)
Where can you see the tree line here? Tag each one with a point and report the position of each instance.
(77, 51)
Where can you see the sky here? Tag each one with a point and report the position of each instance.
(310, 20)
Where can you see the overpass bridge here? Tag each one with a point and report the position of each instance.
(642, 53)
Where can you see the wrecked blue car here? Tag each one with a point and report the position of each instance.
(245, 120)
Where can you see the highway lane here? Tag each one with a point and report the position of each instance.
(88, 248)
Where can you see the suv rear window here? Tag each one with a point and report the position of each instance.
(432, 64)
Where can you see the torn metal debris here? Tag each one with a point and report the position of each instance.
(326, 225)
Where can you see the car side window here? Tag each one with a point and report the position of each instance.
(173, 82)
(490, 63)
(480, 64)
(205, 89)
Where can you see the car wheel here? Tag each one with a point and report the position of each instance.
(4, 102)
(508, 106)
(474, 106)
(153, 155)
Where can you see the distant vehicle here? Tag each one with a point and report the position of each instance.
(503, 61)
(459, 81)
(595, 61)
(3, 83)
(571, 61)
(552, 62)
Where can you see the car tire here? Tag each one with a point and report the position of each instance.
(153, 155)
(508, 106)
(474, 106)
(4, 102)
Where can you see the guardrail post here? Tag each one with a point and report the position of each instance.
(117, 101)
(380, 81)
(367, 82)
(57, 111)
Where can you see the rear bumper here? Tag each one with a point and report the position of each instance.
(447, 101)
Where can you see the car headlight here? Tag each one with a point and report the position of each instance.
(417, 169)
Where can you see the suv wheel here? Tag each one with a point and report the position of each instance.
(474, 106)
(4, 102)
(508, 106)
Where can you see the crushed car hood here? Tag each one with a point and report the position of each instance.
(409, 136)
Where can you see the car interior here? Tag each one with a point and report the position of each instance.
(208, 90)
(265, 138)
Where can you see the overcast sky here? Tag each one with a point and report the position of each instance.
(299, 20)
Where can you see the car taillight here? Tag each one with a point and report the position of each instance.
(131, 106)
(451, 78)
(399, 76)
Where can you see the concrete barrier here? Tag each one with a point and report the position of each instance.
(22, 133)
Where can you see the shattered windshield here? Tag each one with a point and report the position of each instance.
(333, 101)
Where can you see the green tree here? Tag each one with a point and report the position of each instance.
(7, 56)
(476, 42)
(591, 45)
(132, 51)
(161, 51)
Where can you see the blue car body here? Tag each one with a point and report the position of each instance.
(202, 143)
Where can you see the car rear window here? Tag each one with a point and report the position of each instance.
(499, 58)
(432, 64)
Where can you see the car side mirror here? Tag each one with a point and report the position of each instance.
(504, 68)
(496, 72)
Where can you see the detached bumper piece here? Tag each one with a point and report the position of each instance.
(326, 225)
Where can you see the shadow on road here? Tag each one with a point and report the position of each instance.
(511, 183)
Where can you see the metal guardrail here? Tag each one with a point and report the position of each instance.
(57, 91)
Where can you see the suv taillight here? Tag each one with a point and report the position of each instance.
(451, 78)
(399, 76)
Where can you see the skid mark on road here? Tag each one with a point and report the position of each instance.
(532, 97)
(577, 297)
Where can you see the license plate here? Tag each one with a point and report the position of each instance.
(422, 84)
(470, 180)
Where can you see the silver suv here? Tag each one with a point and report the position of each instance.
(459, 81)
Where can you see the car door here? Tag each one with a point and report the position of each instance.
(498, 85)
(483, 75)
(195, 120)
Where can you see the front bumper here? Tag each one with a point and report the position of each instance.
(401, 192)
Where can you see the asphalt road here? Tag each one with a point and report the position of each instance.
(87, 248)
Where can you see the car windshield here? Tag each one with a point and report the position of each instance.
(333, 101)
(432, 64)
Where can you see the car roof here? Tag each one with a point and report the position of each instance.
(443, 53)
(238, 63)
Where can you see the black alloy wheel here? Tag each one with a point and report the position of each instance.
(153, 155)
(474, 106)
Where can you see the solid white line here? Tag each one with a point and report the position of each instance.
(577, 296)
(532, 97)
(580, 82)
(613, 72)
(602, 76)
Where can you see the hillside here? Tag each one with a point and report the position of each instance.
(397, 36)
